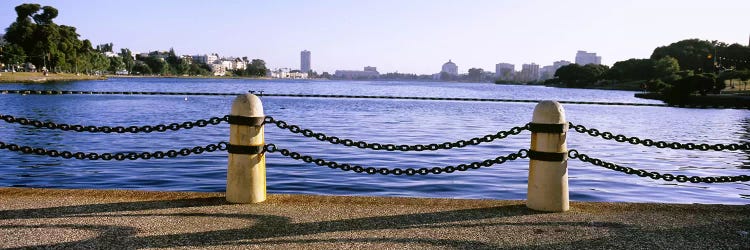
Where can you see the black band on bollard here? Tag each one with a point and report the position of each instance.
(246, 120)
(244, 150)
(546, 128)
(547, 156)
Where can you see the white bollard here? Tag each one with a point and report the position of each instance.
(548, 166)
(246, 172)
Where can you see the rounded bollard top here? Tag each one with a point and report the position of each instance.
(247, 105)
(549, 112)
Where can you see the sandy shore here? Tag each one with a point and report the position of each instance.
(52, 218)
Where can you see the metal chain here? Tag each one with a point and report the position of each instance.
(271, 148)
(393, 147)
(221, 146)
(118, 129)
(573, 154)
(659, 144)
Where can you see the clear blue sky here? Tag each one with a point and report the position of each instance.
(415, 36)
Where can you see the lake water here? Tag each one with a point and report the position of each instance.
(378, 120)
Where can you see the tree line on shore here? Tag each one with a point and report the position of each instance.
(35, 39)
(690, 66)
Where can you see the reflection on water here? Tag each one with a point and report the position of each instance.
(745, 135)
(383, 121)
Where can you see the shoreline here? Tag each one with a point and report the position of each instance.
(713, 100)
(37, 77)
(103, 219)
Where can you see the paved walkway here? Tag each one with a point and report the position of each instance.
(51, 218)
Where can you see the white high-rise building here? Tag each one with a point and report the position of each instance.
(558, 64)
(304, 64)
(529, 72)
(583, 58)
(504, 71)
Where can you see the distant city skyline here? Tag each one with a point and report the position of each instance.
(401, 36)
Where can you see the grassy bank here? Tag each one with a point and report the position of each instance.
(191, 77)
(37, 77)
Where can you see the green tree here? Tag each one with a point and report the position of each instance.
(198, 69)
(45, 18)
(257, 68)
(631, 69)
(141, 68)
(692, 54)
(735, 56)
(157, 65)
(173, 60)
(475, 74)
(116, 64)
(47, 44)
(127, 59)
(99, 62)
(13, 55)
(574, 75)
(666, 68)
(182, 67)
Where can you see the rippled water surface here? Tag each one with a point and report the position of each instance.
(383, 121)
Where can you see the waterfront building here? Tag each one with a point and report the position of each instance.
(558, 64)
(368, 73)
(304, 64)
(206, 58)
(504, 71)
(529, 72)
(583, 58)
(233, 63)
(547, 72)
(450, 68)
(187, 58)
(287, 73)
(218, 69)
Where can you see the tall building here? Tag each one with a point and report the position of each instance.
(450, 68)
(558, 64)
(583, 58)
(304, 61)
(548, 72)
(529, 72)
(206, 58)
(504, 71)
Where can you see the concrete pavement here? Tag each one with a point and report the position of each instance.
(110, 219)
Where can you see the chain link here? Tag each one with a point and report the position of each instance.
(393, 147)
(118, 129)
(659, 144)
(120, 156)
(573, 154)
(271, 148)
